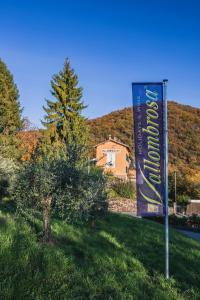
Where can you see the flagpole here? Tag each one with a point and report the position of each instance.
(166, 180)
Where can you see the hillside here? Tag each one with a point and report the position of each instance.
(184, 133)
(122, 258)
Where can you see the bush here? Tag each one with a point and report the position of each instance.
(125, 189)
(194, 221)
(183, 200)
(82, 196)
(8, 171)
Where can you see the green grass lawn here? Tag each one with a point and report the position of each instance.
(122, 258)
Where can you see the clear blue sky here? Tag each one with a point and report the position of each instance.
(110, 44)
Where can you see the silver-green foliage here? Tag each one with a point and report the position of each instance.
(35, 182)
(74, 194)
(34, 192)
(81, 196)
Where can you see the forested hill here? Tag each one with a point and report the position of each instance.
(184, 133)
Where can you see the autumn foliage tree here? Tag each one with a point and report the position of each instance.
(29, 138)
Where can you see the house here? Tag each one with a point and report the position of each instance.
(193, 207)
(114, 157)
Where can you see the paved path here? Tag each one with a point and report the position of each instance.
(194, 235)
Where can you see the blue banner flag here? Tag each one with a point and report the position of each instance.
(149, 147)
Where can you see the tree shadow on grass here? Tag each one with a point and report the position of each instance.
(3, 222)
(111, 262)
(104, 264)
(7, 206)
(126, 250)
(144, 240)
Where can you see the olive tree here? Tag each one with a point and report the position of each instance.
(35, 186)
(81, 196)
(55, 188)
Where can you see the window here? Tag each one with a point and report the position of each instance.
(110, 159)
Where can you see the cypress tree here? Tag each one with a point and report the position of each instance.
(66, 128)
(10, 113)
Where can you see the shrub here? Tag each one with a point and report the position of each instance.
(8, 170)
(194, 221)
(82, 196)
(125, 189)
(183, 200)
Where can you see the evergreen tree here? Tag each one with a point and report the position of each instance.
(66, 127)
(10, 113)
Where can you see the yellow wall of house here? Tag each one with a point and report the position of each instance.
(121, 163)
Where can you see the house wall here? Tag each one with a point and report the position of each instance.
(132, 175)
(193, 208)
(120, 158)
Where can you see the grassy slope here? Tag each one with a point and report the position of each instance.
(121, 259)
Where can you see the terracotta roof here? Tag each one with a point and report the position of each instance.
(115, 140)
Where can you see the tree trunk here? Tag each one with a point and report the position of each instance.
(46, 203)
